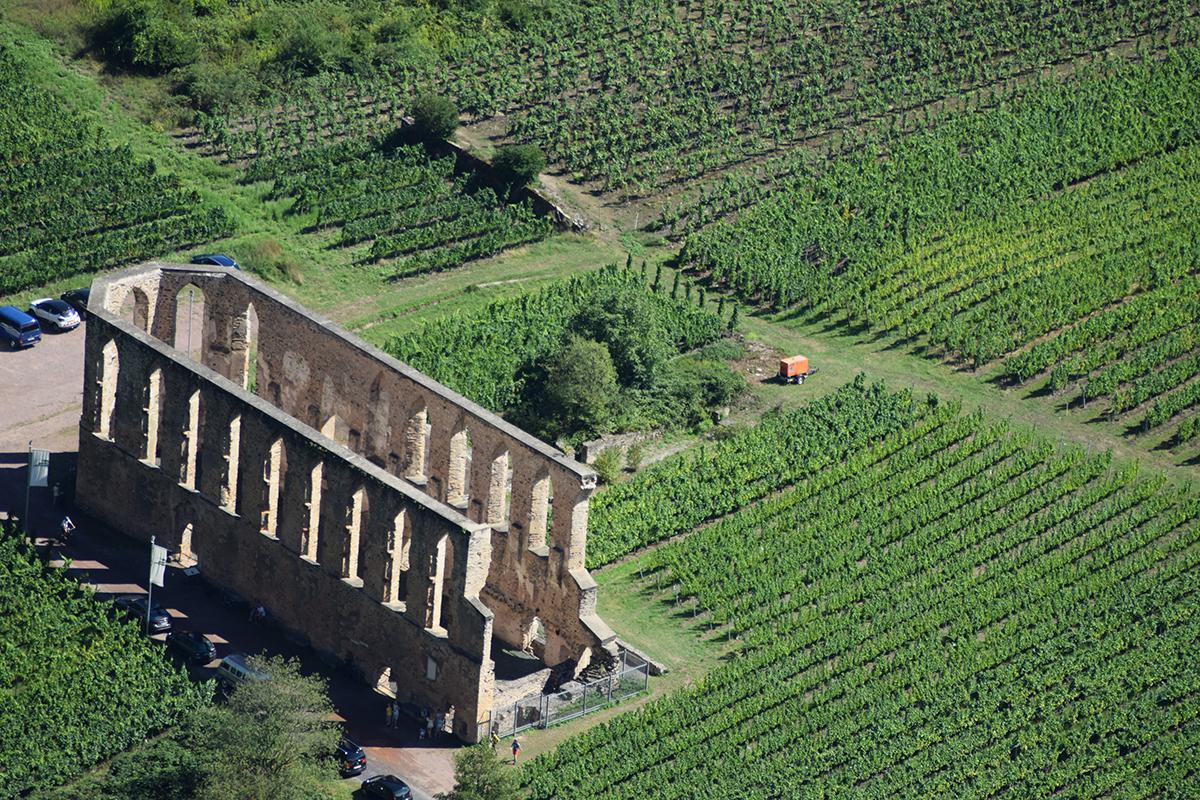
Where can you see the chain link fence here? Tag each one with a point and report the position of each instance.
(573, 699)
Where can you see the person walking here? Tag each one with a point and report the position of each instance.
(429, 726)
(516, 749)
(495, 739)
(439, 725)
(388, 720)
(66, 526)
(395, 714)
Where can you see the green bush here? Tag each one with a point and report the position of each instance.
(574, 390)
(139, 34)
(434, 116)
(518, 164)
(608, 464)
(312, 46)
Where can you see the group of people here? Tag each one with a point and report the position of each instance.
(432, 725)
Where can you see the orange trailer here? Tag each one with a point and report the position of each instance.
(794, 369)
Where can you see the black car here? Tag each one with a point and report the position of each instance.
(195, 647)
(134, 607)
(351, 759)
(215, 260)
(77, 299)
(386, 787)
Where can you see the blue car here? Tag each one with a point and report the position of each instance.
(18, 328)
(215, 260)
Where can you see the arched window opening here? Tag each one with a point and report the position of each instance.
(191, 444)
(244, 345)
(106, 389)
(499, 488)
(151, 413)
(312, 530)
(458, 481)
(136, 308)
(355, 515)
(272, 472)
(189, 321)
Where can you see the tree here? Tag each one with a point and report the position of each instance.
(518, 164)
(434, 116)
(271, 740)
(626, 321)
(578, 387)
(479, 774)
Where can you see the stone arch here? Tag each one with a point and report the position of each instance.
(395, 570)
(273, 470)
(541, 504)
(151, 418)
(458, 480)
(186, 552)
(377, 440)
(416, 445)
(189, 321)
(447, 584)
(312, 528)
(135, 307)
(499, 489)
(233, 447)
(189, 463)
(357, 515)
(243, 347)
(106, 388)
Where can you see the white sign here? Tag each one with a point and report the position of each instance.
(158, 564)
(39, 467)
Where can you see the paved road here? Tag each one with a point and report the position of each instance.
(40, 394)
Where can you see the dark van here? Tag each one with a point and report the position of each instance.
(18, 328)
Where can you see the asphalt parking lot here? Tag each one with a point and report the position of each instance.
(41, 390)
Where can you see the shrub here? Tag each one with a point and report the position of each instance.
(434, 116)
(634, 456)
(518, 164)
(608, 464)
(138, 34)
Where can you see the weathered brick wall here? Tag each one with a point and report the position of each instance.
(364, 504)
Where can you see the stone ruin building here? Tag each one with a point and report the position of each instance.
(393, 523)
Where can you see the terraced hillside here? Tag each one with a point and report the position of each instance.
(70, 202)
(954, 608)
(417, 215)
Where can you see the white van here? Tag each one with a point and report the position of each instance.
(235, 668)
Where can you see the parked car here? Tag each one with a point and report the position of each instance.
(386, 787)
(18, 328)
(78, 300)
(194, 646)
(56, 313)
(215, 260)
(351, 759)
(134, 606)
(235, 668)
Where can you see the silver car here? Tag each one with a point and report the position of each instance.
(55, 313)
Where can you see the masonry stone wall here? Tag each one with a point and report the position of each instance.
(393, 522)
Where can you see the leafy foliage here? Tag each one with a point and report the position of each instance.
(479, 774)
(77, 684)
(271, 741)
(486, 355)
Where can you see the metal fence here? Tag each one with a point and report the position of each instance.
(573, 699)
